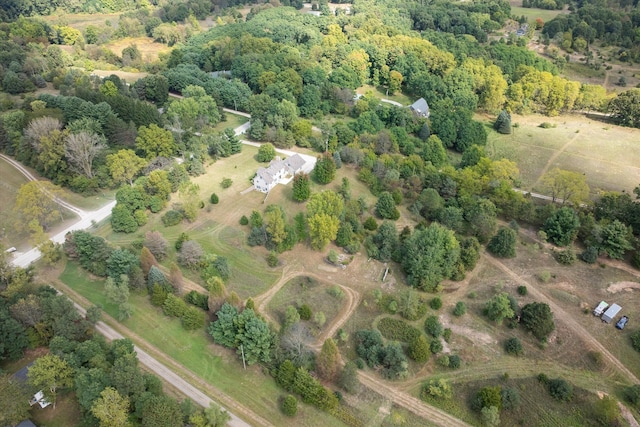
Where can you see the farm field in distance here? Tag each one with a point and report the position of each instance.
(607, 154)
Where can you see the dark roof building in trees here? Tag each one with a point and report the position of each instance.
(420, 108)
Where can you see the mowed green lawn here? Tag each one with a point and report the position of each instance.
(608, 155)
(532, 14)
(196, 351)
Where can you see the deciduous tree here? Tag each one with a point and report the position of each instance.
(568, 186)
(538, 318)
(14, 401)
(50, 373)
(81, 149)
(111, 409)
(499, 308)
(124, 166)
(153, 141)
(429, 256)
(35, 201)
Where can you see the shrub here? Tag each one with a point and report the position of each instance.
(522, 290)
(435, 346)
(197, 299)
(436, 303)
(565, 257)
(560, 389)
(632, 394)
(488, 397)
(214, 199)
(443, 361)
(226, 183)
(192, 319)
(513, 346)
(446, 334)
(419, 349)
(174, 306)
(370, 224)
(336, 292)
(305, 312)
(397, 330)
(547, 125)
(635, 340)
(272, 259)
(460, 309)
(510, 398)
(289, 406)
(171, 218)
(244, 220)
(433, 327)
(590, 255)
(439, 389)
(454, 361)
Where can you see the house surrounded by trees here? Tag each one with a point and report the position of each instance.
(420, 108)
(278, 172)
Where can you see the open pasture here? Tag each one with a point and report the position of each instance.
(607, 154)
(149, 48)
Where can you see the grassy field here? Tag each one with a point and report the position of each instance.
(81, 21)
(607, 154)
(149, 48)
(233, 121)
(532, 14)
(10, 182)
(306, 290)
(380, 92)
(196, 351)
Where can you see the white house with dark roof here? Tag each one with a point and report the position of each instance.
(278, 172)
(420, 108)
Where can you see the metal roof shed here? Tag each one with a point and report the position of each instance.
(611, 313)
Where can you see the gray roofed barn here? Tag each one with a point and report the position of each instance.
(420, 108)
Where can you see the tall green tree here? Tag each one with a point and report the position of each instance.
(503, 244)
(499, 308)
(50, 373)
(429, 256)
(567, 186)
(562, 226)
(328, 360)
(153, 141)
(111, 409)
(386, 207)
(325, 170)
(301, 187)
(124, 166)
(14, 401)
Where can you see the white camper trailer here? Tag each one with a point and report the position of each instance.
(611, 313)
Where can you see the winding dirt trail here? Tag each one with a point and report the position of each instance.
(418, 407)
(564, 317)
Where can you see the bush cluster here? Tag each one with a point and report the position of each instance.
(397, 330)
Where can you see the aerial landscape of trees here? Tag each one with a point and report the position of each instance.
(418, 196)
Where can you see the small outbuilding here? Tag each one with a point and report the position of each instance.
(611, 313)
(420, 108)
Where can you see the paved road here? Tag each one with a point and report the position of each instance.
(165, 373)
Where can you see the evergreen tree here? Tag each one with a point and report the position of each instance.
(301, 188)
(503, 123)
(503, 244)
(325, 169)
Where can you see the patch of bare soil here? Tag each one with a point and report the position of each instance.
(623, 286)
(472, 334)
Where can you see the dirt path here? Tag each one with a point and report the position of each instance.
(554, 157)
(261, 301)
(418, 407)
(619, 286)
(172, 372)
(353, 301)
(564, 317)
